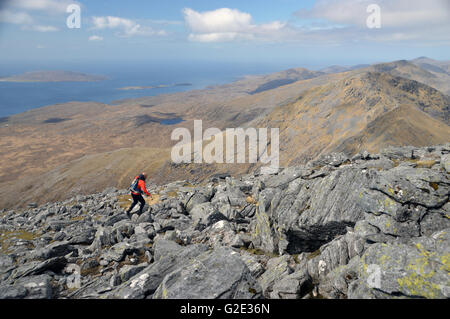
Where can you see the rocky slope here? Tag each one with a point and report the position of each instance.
(370, 226)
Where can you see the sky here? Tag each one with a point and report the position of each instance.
(311, 33)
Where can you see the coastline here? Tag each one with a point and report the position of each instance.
(144, 87)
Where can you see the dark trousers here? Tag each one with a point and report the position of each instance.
(136, 199)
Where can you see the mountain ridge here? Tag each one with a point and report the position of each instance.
(311, 231)
(335, 114)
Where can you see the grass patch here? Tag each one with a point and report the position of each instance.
(250, 200)
(71, 204)
(252, 290)
(417, 162)
(434, 186)
(347, 162)
(124, 201)
(155, 199)
(396, 162)
(304, 209)
(313, 254)
(78, 218)
(141, 258)
(94, 271)
(259, 252)
(316, 296)
(172, 194)
(187, 184)
(6, 237)
(425, 164)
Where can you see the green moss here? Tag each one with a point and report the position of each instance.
(391, 191)
(262, 225)
(419, 285)
(418, 280)
(384, 258)
(445, 260)
(388, 202)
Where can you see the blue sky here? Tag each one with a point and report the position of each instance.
(289, 32)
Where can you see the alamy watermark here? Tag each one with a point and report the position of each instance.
(374, 278)
(73, 281)
(374, 19)
(74, 19)
(235, 145)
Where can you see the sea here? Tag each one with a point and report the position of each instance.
(18, 97)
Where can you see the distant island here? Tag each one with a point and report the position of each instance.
(53, 76)
(126, 88)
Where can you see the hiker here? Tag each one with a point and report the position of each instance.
(137, 188)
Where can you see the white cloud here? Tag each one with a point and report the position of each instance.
(25, 21)
(95, 38)
(415, 21)
(8, 16)
(165, 22)
(112, 22)
(394, 13)
(126, 27)
(43, 5)
(22, 12)
(218, 21)
(216, 36)
(40, 28)
(330, 22)
(226, 24)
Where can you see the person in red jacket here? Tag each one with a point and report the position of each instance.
(137, 189)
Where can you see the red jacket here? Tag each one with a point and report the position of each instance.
(141, 186)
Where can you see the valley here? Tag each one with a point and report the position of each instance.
(53, 152)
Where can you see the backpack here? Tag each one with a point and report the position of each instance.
(134, 186)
